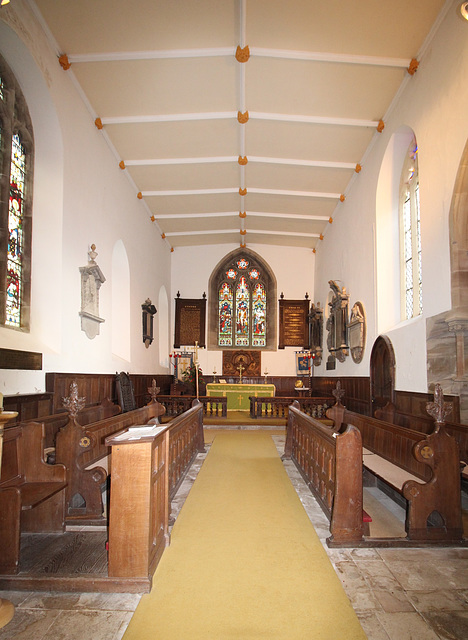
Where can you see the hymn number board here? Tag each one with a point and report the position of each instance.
(190, 317)
(293, 323)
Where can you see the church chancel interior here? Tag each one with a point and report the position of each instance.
(234, 319)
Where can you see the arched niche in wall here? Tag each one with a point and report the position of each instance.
(382, 373)
(271, 298)
(163, 319)
(120, 302)
(387, 230)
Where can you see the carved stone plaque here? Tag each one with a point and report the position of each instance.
(357, 331)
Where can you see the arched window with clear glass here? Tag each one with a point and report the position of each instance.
(410, 235)
(16, 161)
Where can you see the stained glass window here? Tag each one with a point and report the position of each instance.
(259, 316)
(242, 313)
(15, 234)
(411, 235)
(242, 306)
(16, 150)
(225, 315)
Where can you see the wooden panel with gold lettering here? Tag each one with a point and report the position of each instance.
(293, 325)
(190, 318)
(13, 359)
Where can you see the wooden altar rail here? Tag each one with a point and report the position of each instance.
(81, 448)
(277, 407)
(424, 470)
(331, 465)
(390, 413)
(212, 406)
(145, 475)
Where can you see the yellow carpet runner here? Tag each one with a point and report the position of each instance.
(244, 560)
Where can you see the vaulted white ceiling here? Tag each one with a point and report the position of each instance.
(240, 120)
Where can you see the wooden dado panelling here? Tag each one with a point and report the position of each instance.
(414, 404)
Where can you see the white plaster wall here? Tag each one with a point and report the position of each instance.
(294, 271)
(433, 104)
(81, 197)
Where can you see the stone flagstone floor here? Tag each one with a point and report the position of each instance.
(398, 594)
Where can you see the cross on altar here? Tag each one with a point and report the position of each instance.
(240, 369)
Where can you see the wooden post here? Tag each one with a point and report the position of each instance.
(7, 610)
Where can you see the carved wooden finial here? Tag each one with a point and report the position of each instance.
(338, 393)
(413, 66)
(242, 160)
(439, 409)
(381, 126)
(242, 118)
(73, 402)
(153, 390)
(242, 192)
(242, 55)
(98, 123)
(64, 62)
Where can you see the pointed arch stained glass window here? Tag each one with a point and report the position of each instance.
(242, 313)
(259, 316)
(17, 160)
(15, 234)
(225, 300)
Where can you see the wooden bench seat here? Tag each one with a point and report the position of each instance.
(32, 493)
(424, 469)
(394, 475)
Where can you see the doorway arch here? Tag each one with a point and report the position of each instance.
(382, 373)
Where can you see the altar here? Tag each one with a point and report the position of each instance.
(238, 394)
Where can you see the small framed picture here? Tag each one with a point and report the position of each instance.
(302, 363)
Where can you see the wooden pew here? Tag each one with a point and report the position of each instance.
(81, 448)
(148, 471)
(423, 469)
(32, 493)
(331, 465)
(389, 413)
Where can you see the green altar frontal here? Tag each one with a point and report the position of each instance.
(238, 394)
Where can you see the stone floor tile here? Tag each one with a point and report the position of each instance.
(393, 599)
(406, 626)
(28, 624)
(372, 626)
(81, 601)
(449, 626)
(439, 600)
(15, 597)
(422, 576)
(98, 625)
